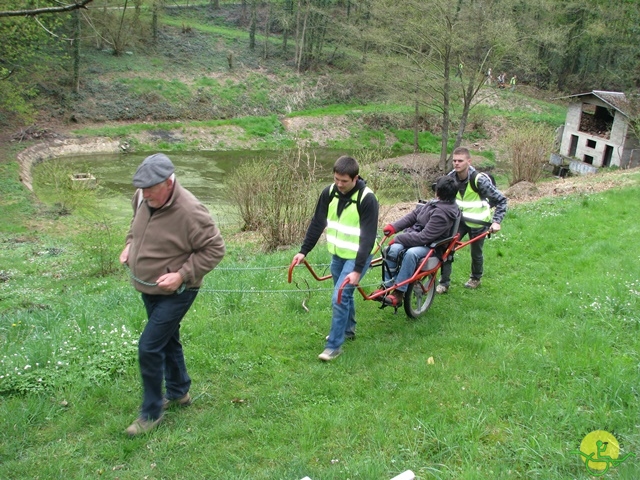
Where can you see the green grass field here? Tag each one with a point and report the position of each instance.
(546, 351)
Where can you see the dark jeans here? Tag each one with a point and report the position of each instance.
(477, 259)
(160, 351)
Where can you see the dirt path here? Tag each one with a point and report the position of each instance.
(525, 192)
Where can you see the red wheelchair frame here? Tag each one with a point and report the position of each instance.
(422, 284)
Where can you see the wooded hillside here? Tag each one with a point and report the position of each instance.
(170, 59)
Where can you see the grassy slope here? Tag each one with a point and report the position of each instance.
(186, 76)
(543, 353)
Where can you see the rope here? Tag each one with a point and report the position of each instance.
(180, 289)
(265, 268)
(250, 290)
(292, 290)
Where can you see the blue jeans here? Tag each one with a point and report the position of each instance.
(412, 257)
(160, 351)
(343, 319)
(477, 259)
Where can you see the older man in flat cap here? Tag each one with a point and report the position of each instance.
(172, 244)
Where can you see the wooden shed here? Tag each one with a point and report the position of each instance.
(597, 133)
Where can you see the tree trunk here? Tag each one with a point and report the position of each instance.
(154, 21)
(288, 14)
(416, 144)
(267, 29)
(76, 51)
(118, 41)
(253, 25)
(443, 164)
(301, 28)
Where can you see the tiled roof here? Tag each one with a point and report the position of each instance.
(616, 99)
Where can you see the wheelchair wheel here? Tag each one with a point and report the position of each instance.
(419, 296)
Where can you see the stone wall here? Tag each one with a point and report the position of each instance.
(59, 148)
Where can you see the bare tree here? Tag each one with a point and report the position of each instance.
(438, 52)
(417, 42)
(491, 36)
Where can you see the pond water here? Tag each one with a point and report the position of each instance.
(203, 173)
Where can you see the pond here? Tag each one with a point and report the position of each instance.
(201, 172)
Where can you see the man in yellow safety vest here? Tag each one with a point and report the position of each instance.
(483, 206)
(348, 210)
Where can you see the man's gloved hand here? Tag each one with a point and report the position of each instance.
(388, 230)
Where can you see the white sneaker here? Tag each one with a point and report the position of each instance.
(329, 354)
(442, 289)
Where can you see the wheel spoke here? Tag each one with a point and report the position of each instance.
(418, 299)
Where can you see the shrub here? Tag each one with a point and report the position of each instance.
(276, 197)
(244, 186)
(100, 244)
(53, 183)
(529, 148)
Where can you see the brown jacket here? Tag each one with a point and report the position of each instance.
(179, 237)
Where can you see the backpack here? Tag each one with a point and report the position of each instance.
(472, 180)
(333, 193)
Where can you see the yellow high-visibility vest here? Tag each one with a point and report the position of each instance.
(473, 207)
(343, 233)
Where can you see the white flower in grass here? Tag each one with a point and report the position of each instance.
(27, 367)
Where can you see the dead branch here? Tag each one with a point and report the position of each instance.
(37, 11)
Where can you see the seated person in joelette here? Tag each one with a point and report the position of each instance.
(426, 224)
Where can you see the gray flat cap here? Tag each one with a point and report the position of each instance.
(153, 170)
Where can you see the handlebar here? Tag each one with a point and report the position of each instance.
(310, 268)
(326, 277)
(460, 245)
(341, 289)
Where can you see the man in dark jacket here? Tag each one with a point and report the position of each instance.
(172, 244)
(426, 224)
